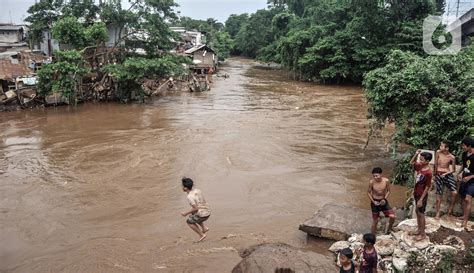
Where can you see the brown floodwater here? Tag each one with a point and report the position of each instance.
(96, 188)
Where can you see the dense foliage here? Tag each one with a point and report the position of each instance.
(63, 76)
(430, 99)
(331, 40)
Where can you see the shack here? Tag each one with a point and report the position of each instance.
(204, 58)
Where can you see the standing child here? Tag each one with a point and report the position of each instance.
(424, 176)
(345, 258)
(466, 190)
(445, 166)
(379, 190)
(200, 211)
(369, 257)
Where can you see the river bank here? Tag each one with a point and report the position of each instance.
(96, 187)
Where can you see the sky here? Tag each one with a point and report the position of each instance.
(15, 10)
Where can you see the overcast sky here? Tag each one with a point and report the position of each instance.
(15, 10)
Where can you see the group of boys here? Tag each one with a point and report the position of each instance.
(379, 190)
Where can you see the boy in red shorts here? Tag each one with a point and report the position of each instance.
(379, 190)
(424, 175)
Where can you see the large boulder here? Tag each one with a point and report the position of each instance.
(280, 257)
(339, 245)
(410, 240)
(338, 222)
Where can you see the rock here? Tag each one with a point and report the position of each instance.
(385, 245)
(386, 264)
(444, 249)
(455, 242)
(410, 225)
(276, 257)
(339, 245)
(355, 238)
(337, 222)
(412, 243)
(400, 264)
(398, 253)
(356, 245)
(453, 224)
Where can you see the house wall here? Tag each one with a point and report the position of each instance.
(206, 61)
(113, 36)
(44, 43)
(9, 36)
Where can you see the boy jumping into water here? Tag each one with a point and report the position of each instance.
(445, 166)
(420, 193)
(200, 211)
(379, 190)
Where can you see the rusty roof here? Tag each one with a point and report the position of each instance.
(9, 70)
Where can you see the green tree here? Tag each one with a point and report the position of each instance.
(69, 31)
(63, 76)
(42, 16)
(426, 98)
(234, 23)
(256, 33)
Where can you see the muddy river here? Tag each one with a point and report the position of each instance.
(96, 188)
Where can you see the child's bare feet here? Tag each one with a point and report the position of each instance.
(202, 238)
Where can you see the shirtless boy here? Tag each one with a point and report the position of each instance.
(445, 164)
(379, 190)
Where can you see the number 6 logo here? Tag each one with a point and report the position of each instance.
(430, 24)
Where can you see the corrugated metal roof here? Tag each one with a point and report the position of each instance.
(196, 48)
(8, 70)
(11, 68)
(10, 28)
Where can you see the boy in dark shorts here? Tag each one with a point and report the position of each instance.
(445, 166)
(200, 211)
(368, 260)
(424, 175)
(379, 190)
(466, 190)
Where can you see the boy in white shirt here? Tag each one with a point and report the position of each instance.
(200, 211)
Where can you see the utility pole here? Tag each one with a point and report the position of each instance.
(457, 8)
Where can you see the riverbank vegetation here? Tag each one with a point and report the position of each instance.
(377, 44)
(117, 72)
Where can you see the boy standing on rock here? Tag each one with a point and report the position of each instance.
(445, 166)
(424, 176)
(379, 190)
(466, 190)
